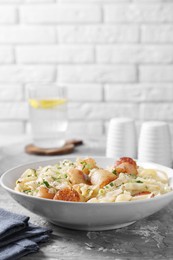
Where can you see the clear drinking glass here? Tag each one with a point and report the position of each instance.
(48, 115)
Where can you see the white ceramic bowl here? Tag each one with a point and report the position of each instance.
(87, 216)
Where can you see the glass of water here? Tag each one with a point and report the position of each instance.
(48, 115)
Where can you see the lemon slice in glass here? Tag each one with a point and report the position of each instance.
(46, 103)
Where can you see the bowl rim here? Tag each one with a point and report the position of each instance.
(123, 203)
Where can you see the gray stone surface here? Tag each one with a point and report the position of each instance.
(150, 238)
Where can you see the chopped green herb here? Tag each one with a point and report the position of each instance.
(88, 166)
(133, 175)
(26, 191)
(84, 165)
(58, 166)
(46, 183)
(111, 184)
(65, 176)
(70, 164)
(65, 162)
(58, 180)
(139, 181)
(82, 162)
(35, 172)
(114, 172)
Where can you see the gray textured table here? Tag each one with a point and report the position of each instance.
(151, 238)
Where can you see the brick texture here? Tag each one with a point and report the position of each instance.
(135, 54)
(60, 14)
(55, 54)
(85, 92)
(157, 33)
(98, 111)
(151, 92)
(165, 111)
(11, 92)
(114, 56)
(11, 128)
(6, 55)
(98, 33)
(156, 73)
(97, 73)
(14, 34)
(144, 13)
(14, 110)
(8, 15)
(24, 74)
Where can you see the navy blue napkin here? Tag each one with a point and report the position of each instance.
(11, 223)
(18, 249)
(18, 237)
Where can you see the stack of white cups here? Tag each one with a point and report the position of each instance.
(121, 138)
(155, 143)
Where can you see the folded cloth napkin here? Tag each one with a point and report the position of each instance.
(18, 237)
(18, 249)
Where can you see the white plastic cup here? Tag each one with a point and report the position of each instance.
(121, 138)
(155, 143)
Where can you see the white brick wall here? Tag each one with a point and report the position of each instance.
(114, 56)
(11, 92)
(95, 34)
(96, 73)
(156, 73)
(102, 111)
(11, 128)
(141, 13)
(8, 15)
(13, 110)
(26, 73)
(6, 55)
(135, 54)
(16, 34)
(161, 33)
(151, 92)
(54, 54)
(60, 14)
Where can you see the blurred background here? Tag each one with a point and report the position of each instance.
(115, 57)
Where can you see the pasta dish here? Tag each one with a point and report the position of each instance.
(85, 181)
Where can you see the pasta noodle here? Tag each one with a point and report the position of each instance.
(85, 181)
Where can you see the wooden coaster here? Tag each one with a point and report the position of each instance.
(66, 149)
(75, 142)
